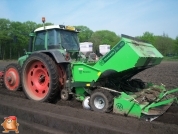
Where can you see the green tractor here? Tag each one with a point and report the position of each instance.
(55, 68)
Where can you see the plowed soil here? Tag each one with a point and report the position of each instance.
(166, 73)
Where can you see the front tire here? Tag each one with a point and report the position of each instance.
(101, 101)
(65, 95)
(40, 79)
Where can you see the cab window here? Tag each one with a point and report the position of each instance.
(52, 41)
(39, 43)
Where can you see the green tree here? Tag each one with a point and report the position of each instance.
(14, 37)
(85, 33)
(148, 37)
(176, 46)
(20, 37)
(104, 37)
(4, 37)
(41, 24)
(29, 26)
(164, 44)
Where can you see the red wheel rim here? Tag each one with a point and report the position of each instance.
(37, 80)
(12, 79)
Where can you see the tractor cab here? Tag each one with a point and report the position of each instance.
(57, 40)
(55, 37)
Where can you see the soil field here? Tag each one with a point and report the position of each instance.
(166, 73)
(70, 117)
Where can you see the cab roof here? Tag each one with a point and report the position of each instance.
(63, 27)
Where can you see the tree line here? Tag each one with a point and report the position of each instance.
(14, 38)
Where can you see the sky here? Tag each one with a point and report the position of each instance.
(130, 17)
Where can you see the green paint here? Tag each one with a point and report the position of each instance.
(111, 53)
(22, 59)
(80, 93)
(129, 105)
(125, 105)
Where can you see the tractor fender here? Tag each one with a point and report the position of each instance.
(56, 55)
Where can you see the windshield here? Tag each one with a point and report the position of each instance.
(68, 40)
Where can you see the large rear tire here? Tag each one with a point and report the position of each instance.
(101, 101)
(12, 80)
(40, 78)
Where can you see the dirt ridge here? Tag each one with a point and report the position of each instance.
(65, 118)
